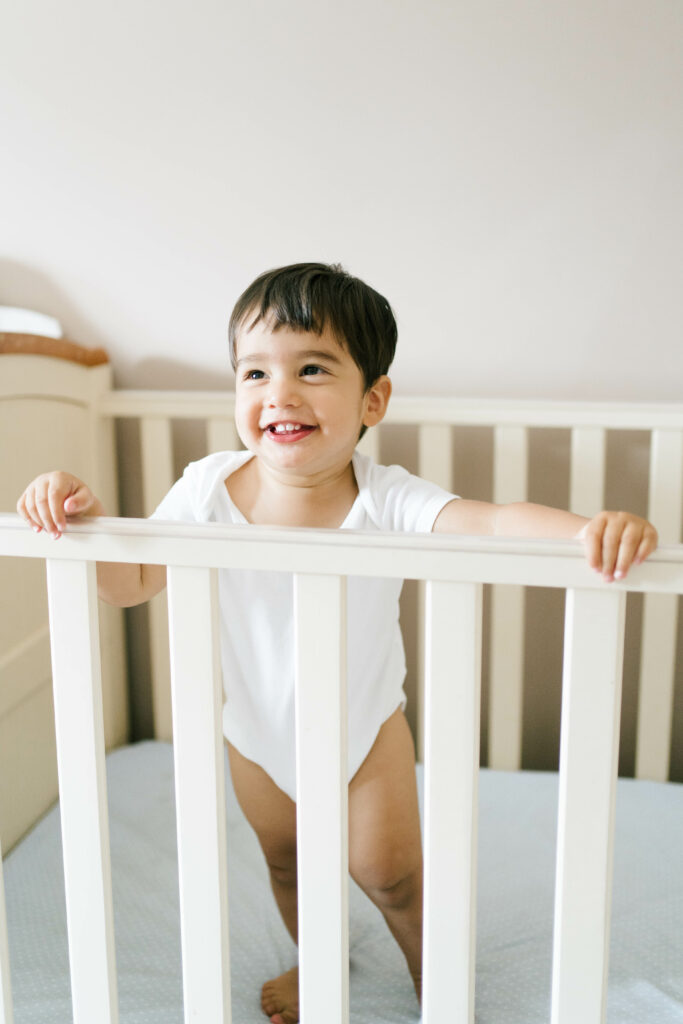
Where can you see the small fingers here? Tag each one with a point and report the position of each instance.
(48, 500)
(615, 541)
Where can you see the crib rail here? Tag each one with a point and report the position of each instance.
(454, 571)
(512, 422)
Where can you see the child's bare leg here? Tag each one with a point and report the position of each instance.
(272, 815)
(385, 849)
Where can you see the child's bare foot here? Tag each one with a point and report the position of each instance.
(280, 998)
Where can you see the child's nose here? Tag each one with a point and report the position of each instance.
(283, 392)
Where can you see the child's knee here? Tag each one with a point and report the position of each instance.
(391, 881)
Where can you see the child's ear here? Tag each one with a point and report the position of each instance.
(376, 401)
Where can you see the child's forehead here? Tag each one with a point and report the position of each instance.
(268, 335)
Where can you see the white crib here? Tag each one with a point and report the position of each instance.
(454, 571)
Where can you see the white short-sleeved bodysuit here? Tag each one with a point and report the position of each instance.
(257, 625)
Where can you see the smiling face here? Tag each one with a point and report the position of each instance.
(301, 401)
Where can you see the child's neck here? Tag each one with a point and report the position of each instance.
(267, 498)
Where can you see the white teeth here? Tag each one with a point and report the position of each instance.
(282, 428)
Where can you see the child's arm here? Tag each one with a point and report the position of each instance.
(46, 503)
(613, 540)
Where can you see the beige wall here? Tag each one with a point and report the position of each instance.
(507, 172)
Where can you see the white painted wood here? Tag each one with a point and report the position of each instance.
(200, 792)
(589, 747)
(416, 410)
(6, 1012)
(221, 435)
(339, 552)
(322, 798)
(435, 454)
(157, 460)
(452, 705)
(157, 477)
(72, 597)
(370, 443)
(660, 615)
(435, 463)
(506, 666)
(587, 471)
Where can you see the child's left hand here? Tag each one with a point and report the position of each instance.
(614, 541)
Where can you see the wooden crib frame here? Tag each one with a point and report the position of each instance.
(454, 570)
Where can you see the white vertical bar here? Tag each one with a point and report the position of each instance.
(435, 454)
(452, 704)
(435, 463)
(322, 798)
(587, 471)
(197, 697)
(157, 479)
(6, 1014)
(157, 460)
(369, 443)
(660, 615)
(72, 601)
(506, 672)
(589, 747)
(221, 435)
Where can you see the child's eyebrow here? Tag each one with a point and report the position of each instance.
(259, 357)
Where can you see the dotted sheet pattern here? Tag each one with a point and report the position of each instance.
(517, 826)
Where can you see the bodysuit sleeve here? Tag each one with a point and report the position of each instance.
(396, 499)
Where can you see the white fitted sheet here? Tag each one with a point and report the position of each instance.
(516, 875)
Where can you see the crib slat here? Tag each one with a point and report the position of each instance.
(6, 1013)
(197, 699)
(322, 798)
(72, 601)
(660, 615)
(157, 479)
(221, 435)
(453, 672)
(435, 463)
(435, 454)
(369, 443)
(587, 471)
(589, 746)
(507, 615)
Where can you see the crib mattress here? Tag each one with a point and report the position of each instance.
(516, 876)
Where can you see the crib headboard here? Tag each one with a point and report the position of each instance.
(587, 452)
(48, 419)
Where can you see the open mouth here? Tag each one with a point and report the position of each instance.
(288, 432)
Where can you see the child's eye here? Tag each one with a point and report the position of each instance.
(254, 375)
(311, 370)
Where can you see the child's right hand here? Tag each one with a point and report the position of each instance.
(51, 497)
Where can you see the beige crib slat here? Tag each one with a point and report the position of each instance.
(660, 615)
(587, 471)
(322, 798)
(453, 672)
(589, 746)
(197, 697)
(6, 1012)
(221, 435)
(157, 479)
(507, 615)
(72, 600)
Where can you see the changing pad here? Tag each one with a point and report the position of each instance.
(517, 826)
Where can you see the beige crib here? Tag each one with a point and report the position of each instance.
(54, 409)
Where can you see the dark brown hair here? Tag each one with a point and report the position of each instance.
(311, 296)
